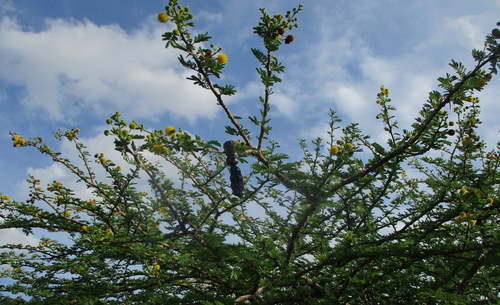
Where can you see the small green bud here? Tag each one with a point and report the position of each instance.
(175, 32)
(187, 9)
(190, 16)
(132, 126)
(296, 25)
(109, 121)
(125, 132)
(106, 132)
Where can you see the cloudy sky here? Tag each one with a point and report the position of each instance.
(67, 64)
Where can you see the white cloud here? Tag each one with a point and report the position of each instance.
(74, 67)
(15, 236)
(467, 31)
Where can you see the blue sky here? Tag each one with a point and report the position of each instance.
(67, 64)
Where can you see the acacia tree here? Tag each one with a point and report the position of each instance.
(337, 229)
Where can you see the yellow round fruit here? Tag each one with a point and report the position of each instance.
(157, 148)
(163, 17)
(222, 58)
(169, 130)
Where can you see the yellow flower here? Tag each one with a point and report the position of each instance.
(334, 150)
(169, 130)
(149, 137)
(472, 222)
(58, 183)
(68, 213)
(156, 148)
(84, 228)
(463, 214)
(349, 146)
(157, 267)
(470, 99)
(469, 215)
(16, 138)
(222, 58)
(6, 197)
(109, 232)
(463, 191)
(458, 220)
(488, 200)
(100, 239)
(481, 83)
(163, 17)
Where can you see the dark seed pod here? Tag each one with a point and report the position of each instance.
(237, 182)
(230, 151)
(496, 33)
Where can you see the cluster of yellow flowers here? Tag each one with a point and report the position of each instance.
(18, 141)
(100, 158)
(71, 134)
(467, 217)
(384, 91)
(335, 149)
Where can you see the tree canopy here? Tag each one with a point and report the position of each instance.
(332, 227)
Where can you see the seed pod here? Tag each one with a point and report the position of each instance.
(496, 33)
(237, 182)
(289, 39)
(230, 151)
